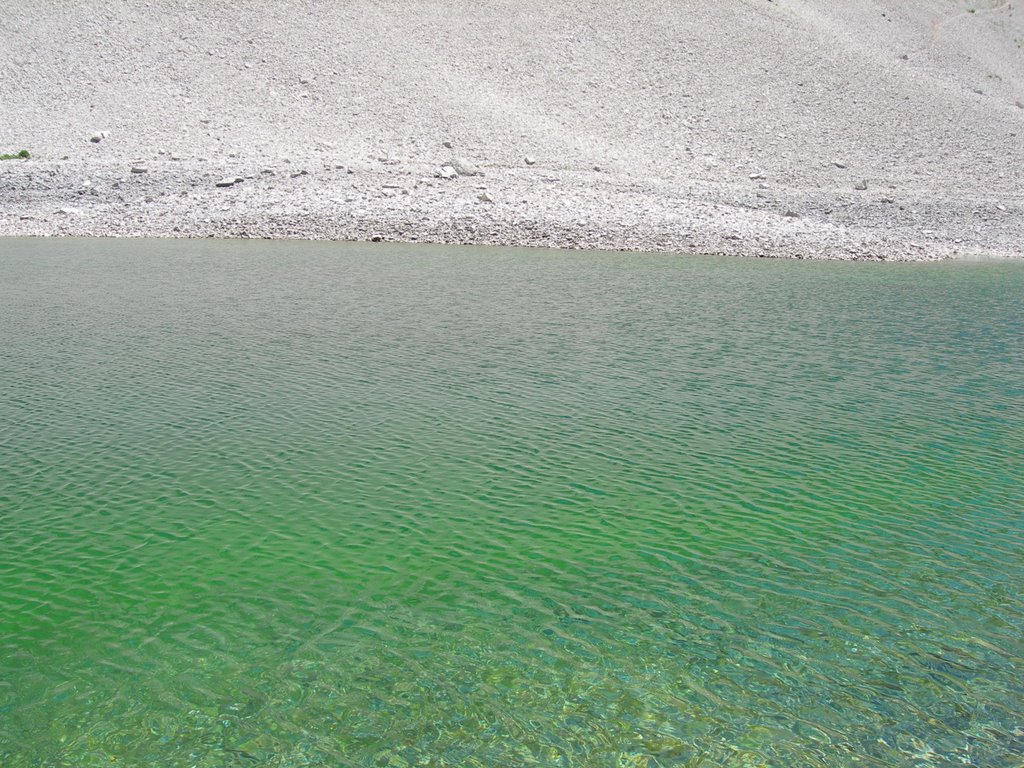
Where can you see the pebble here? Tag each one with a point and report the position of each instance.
(530, 159)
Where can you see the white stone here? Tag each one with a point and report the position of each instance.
(465, 168)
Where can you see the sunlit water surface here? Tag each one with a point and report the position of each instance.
(284, 504)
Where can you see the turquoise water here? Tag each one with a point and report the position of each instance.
(293, 504)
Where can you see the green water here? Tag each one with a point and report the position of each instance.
(286, 504)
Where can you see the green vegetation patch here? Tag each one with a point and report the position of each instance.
(22, 155)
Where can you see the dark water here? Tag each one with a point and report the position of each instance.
(271, 504)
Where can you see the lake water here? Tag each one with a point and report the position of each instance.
(296, 504)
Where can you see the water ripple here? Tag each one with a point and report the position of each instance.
(310, 504)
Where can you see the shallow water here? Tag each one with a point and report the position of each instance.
(292, 504)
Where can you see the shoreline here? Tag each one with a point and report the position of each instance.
(533, 206)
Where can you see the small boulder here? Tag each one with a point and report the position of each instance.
(530, 160)
(97, 137)
(230, 181)
(137, 169)
(485, 197)
(861, 185)
(465, 168)
(446, 172)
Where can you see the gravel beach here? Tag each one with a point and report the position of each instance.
(775, 128)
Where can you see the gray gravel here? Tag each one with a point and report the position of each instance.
(794, 128)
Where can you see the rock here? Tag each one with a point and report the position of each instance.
(887, 200)
(530, 159)
(230, 181)
(139, 169)
(69, 211)
(446, 144)
(485, 197)
(446, 172)
(97, 137)
(791, 215)
(463, 167)
(1001, 208)
(1020, 103)
(861, 185)
(757, 176)
(299, 173)
(839, 164)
